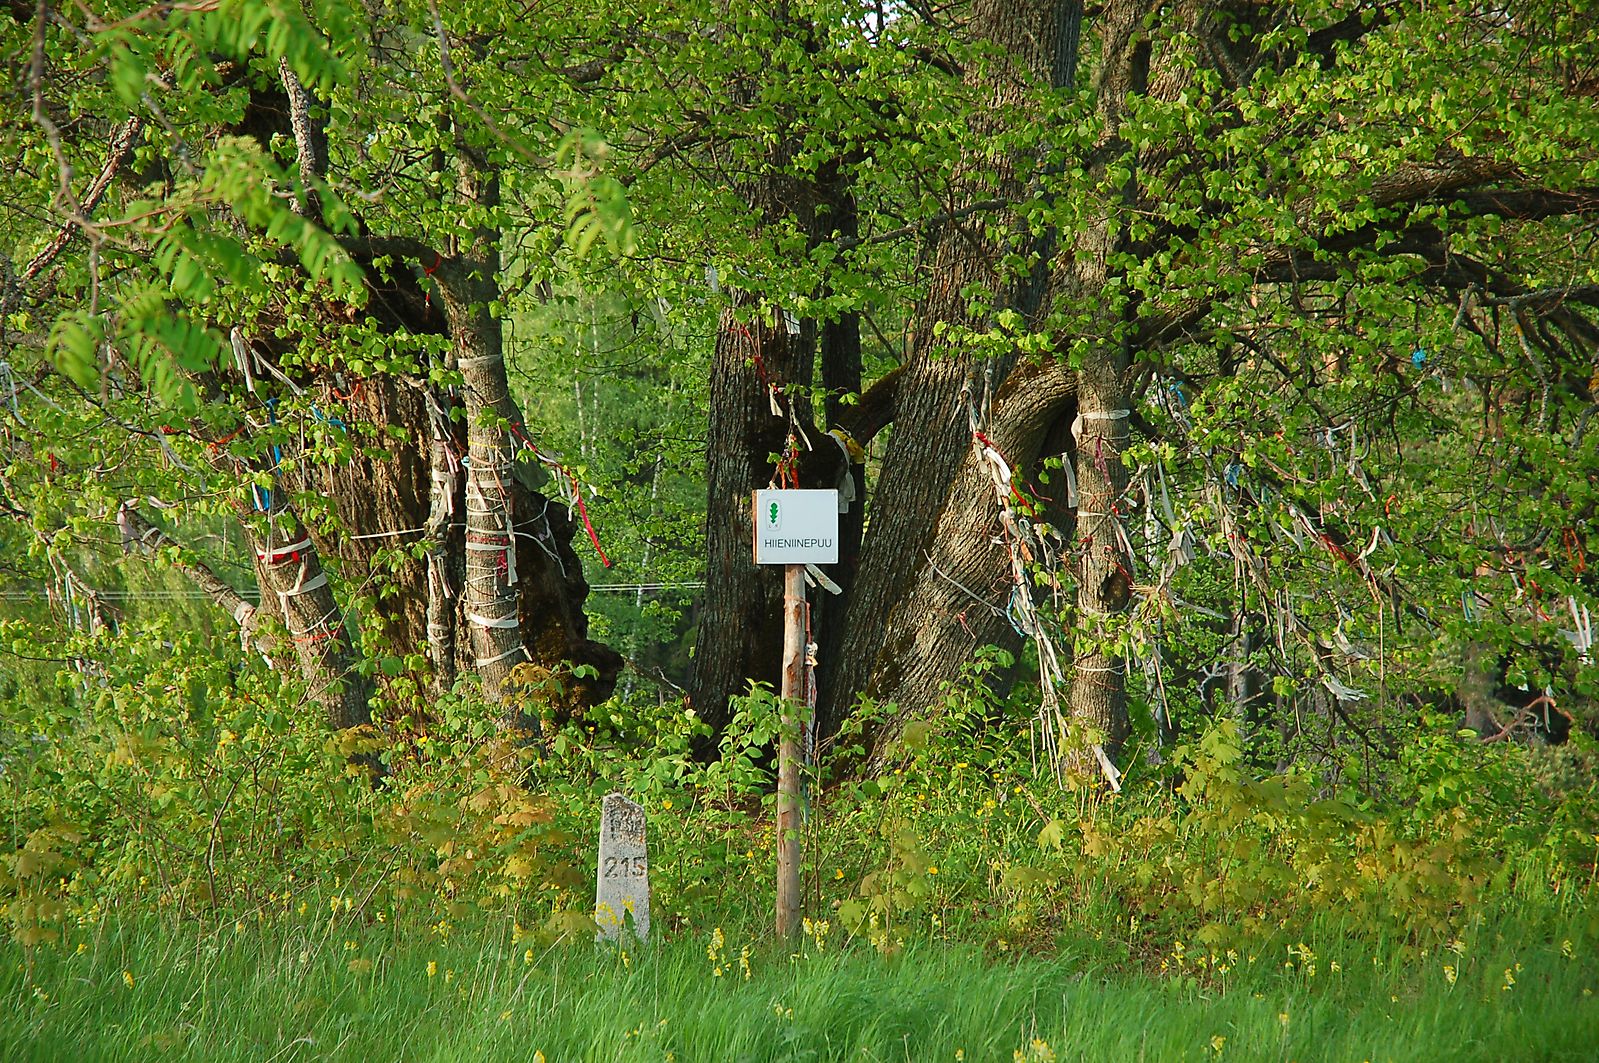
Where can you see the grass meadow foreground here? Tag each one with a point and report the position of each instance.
(329, 989)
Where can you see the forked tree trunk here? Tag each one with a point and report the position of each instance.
(957, 601)
(932, 582)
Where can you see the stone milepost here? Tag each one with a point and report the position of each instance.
(622, 886)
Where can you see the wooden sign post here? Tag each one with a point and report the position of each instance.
(793, 529)
(789, 753)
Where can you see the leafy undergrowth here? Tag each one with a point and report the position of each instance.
(192, 837)
(319, 988)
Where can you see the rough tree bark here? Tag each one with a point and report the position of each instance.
(523, 586)
(929, 589)
(754, 366)
(761, 371)
(446, 501)
(838, 221)
(1098, 708)
(290, 572)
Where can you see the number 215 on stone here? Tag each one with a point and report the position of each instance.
(625, 867)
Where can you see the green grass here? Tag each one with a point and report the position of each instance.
(287, 992)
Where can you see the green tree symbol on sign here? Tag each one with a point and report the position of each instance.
(772, 513)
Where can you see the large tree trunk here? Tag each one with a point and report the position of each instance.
(499, 566)
(755, 366)
(959, 597)
(1107, 566)
(837, 220)
(761, 373)
(380, 497)
(523, 585)
(929, 574)
(493, 627)
(1483, 710)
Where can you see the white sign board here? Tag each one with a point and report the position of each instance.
(796, 527)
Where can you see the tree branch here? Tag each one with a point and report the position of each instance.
(1412, 186)
(139, 533)
(310, 139)
(122, 142)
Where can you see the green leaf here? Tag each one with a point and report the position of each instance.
(1053, 836)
